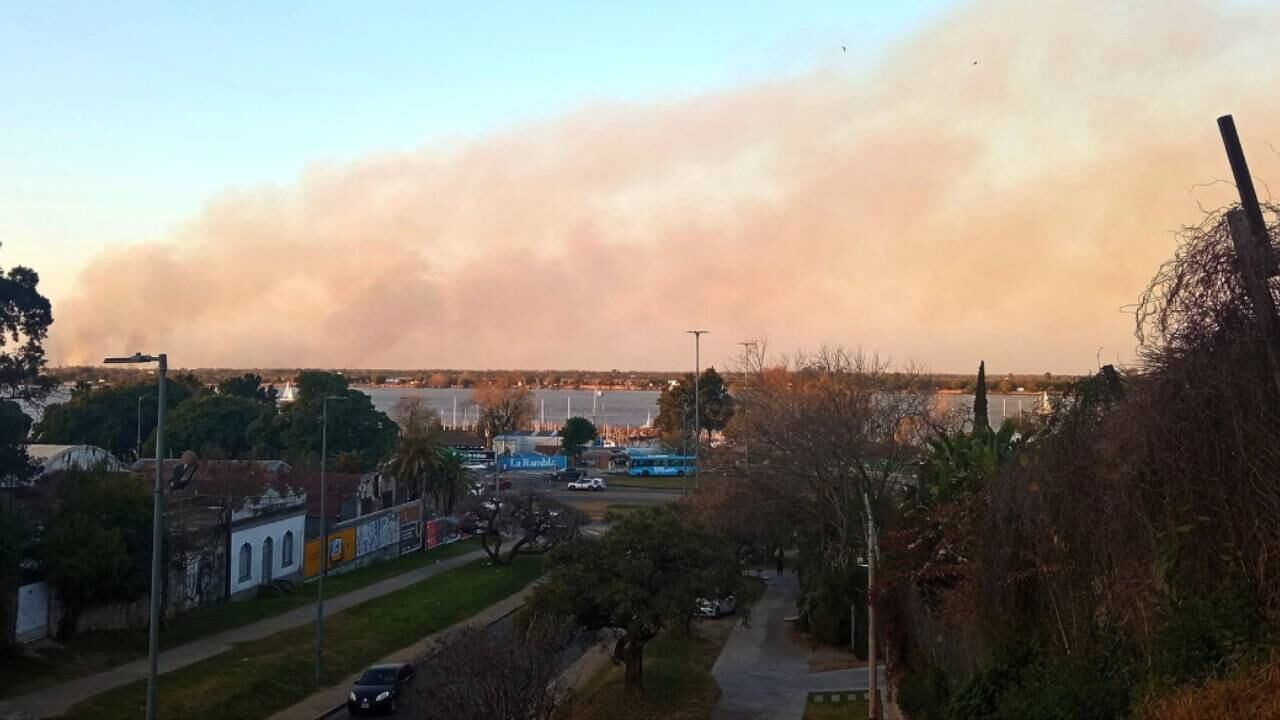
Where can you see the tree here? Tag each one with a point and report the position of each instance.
(421, 461)
(13, 534)
(482, 673)
(504, 408)
(575, 434)
(98, 546)
(355, 425)
(107, 416)
(715, 406)
(248, 386)
(16, 465)
(536, 521)
(981, 422)
(216, 425)
(644, 575)
(25, 316)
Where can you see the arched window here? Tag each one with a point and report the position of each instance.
(246, 562)
(286, 549)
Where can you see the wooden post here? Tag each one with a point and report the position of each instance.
(873, 556)
(1255, 261)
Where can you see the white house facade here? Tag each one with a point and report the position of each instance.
(267, 539)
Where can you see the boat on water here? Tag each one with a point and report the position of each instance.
(288, 395)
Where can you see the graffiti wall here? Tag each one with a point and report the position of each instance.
(381, 531)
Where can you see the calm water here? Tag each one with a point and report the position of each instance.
(628, 407)
(612, 407)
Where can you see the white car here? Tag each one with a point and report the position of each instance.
(587, 484)
(715, 608)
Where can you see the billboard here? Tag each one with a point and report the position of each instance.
(532, 461)
(410, 529)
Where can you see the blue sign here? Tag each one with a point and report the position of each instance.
(532, 461)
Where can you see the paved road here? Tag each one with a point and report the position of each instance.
(614, 495)
(56, 700)
(763, 672)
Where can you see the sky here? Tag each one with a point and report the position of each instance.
(572, 185)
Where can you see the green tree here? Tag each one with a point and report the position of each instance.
(644, 575)
(215, 425)
(676, 407)
(25, 316)
(98, 546)
(107, 416)
(15, 426)
(421, 461)
(13, 534)
(576, 433)
(355, 425)
(981, 421)
(250, 387)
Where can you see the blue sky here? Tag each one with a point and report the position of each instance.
(121, 119)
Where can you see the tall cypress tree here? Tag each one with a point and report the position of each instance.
(981, 422)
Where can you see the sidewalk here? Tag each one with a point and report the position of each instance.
(764, 673)
(319, 704)
(55, 701)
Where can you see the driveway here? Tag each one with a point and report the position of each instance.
(763, 672)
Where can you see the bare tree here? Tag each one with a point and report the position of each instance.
(504, 407)
(535, 521)
(493, 673)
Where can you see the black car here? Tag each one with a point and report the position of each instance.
(378, 688)
(566, 475)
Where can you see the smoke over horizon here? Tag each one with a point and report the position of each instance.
(999, 186)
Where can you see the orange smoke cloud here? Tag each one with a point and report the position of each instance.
(999, 186)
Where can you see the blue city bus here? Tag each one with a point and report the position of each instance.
(646, 465)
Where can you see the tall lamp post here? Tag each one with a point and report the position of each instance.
(697, 414)
(324, 530)
(157, 513)
(138, 451)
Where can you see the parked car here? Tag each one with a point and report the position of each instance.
(715, 608)
(378, 688)
(566, 475)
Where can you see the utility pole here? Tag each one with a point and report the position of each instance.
(1254, 259)
(697, 413)
(748, 347)
(873, 558)
(324, 532)
(157, 521)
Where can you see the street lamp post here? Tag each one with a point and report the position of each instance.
(157, 516)
(138, 452)
(324, 530)
(697, 414)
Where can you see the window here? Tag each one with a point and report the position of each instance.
(286, 550)
(246, 562)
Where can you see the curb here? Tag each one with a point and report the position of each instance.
(343, 706)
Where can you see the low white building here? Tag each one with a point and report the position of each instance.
(54, 459)
(268, 534)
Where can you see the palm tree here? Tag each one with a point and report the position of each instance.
(447, 482)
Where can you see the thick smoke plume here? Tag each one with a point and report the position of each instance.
(1001, 185)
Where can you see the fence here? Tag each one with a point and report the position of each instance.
(374, 538)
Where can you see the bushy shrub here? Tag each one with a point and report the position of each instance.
(1069, 688)
(979, 698)
(825, 597)
(1205, 636)
(923, 695)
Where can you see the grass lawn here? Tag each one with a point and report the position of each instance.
(677, 674)
(836, 706)
(98, 650)
(662, 483)
(677, 679)
(259, 678)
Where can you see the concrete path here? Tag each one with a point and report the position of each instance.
(763, 672)
(55, 701)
